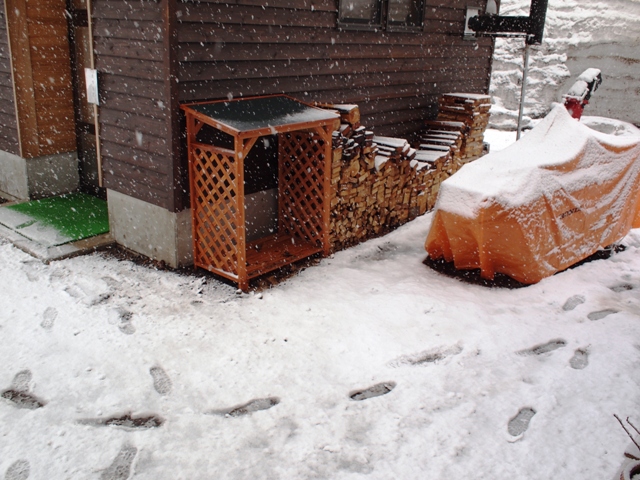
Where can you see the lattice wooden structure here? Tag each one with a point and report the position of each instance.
(217, 179)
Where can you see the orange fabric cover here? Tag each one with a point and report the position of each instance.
(546, 202)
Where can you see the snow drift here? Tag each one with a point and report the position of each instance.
(553, 198)
(578, 34)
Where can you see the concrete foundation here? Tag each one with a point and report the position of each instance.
(28, 178)
(151, 230)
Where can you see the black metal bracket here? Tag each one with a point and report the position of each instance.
(499, 25)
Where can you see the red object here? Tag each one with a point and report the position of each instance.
(575, 106)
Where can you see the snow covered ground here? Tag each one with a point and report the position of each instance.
(104, 345)
(112, 370)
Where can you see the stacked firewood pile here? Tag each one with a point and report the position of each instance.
(379, 183)
(468, 114)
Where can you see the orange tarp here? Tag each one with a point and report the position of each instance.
(558, 195)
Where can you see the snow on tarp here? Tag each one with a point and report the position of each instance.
(544, 203)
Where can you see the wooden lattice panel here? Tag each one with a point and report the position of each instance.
(213, 174)
(301, 157)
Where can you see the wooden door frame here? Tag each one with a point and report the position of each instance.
(77, 19)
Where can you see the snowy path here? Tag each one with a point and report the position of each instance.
(152, 375)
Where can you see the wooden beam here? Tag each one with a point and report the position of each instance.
(18, 32)
(170, 70)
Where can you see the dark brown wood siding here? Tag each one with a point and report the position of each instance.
(233, 48)
(8, 122)
(135, 110)
(152, 54)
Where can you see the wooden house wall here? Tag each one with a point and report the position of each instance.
(244, 47)
(153, 54)
(135, 108)
(8, 121)
(42, 73)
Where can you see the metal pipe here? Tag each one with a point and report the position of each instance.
(523, 92)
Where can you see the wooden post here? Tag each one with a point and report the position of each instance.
(170, 70)
(18, 32)
(192, 130)
(326, 134)
(240, 147)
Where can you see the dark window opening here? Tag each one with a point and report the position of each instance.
(361, 12)
(391, 15)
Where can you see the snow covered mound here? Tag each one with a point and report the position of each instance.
(578, 35)
(537, 207)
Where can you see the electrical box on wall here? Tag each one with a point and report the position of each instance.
(470, 34)
(91, 81)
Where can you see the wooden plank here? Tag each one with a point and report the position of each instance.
(38, 30)
(444, 14)
(6, 93)
(257, 15)
(211, 33)
(270, 253)
(129, 121)
(458, 4)
(179, 182)
(190, 91)
(6, 79)
(394, 104)
(127, 10)
(363, 95)
(5, 68)
(135, 157)
(25, 100)
(135, 139)
(134, 31)
(313, 5)
(9, 122)
(8, 141)
(234, 52)
(52, 113)
(54, 76)
(134, 87)
(142, 176)
(54, 140)
(132, 187)
(283, 68)
(446, 27)
(116, 47)
(128, 67)
(142, 106)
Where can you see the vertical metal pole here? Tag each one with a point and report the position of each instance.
(523, 92)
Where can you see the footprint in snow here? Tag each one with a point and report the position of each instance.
(426, 357)
(126, 421)
(373, 391)
(100, 299)
(520, 423)
(20, 392)
(573, 302)
(543, 348)
(252, 406)
(120, 468)
(161, 381)
(580, 359)
(126, 324)
(623, 287)
(48, 318)
(600, 314)
(18, 470)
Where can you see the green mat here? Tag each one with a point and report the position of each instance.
(58, 220)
